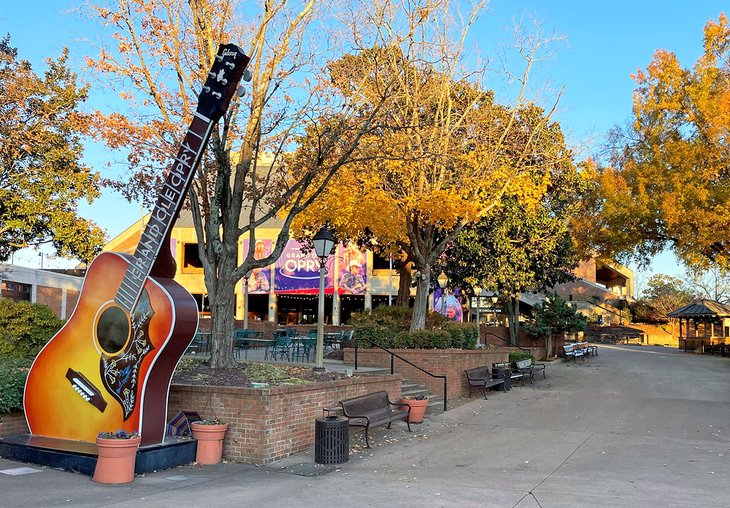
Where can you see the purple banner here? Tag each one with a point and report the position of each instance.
(452, 310)
(259, 282)
(297, 272)
(352, 276)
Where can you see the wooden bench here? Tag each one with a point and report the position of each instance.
(480, 376)
(372, 410)
(526, 366)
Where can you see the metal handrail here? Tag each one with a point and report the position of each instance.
(392, 363)
(508, 343)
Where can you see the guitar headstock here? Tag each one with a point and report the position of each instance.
(223, 78)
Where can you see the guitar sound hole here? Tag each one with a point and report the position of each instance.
(112, 330)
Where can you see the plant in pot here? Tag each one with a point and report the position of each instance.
(209, 434)
(116, 456)
(418, 405)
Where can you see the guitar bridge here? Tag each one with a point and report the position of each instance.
(86, 389)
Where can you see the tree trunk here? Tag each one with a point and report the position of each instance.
(404, 285)
(423, 282)
(222, 298)
(513, 313)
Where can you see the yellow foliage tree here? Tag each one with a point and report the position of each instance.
(668, 184)
(444, 152)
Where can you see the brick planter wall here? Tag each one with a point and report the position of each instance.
(449, 362)
(13, 423)
(272, 423)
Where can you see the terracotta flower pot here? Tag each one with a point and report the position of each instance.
(210, 442)
(418, 409)
(116, 459)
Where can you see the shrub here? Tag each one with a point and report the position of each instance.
(389, 327)
(25, 328)
(516, 356)
(381, 325)
(12, 380)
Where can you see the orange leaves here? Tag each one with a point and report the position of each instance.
(671, 186)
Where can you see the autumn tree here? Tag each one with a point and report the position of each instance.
(42, 178)
(518, 247)
(666, 293)
(445, 152)
(668, 182)
(270, 155)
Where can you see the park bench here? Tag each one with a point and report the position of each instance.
(526, 366)
(372, 410)
(480, 376)
(573, 351)
(514, 374)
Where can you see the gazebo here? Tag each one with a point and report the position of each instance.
(703, 325)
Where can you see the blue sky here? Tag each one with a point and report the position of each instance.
(605, 43)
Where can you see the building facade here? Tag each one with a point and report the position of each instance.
(56, 289)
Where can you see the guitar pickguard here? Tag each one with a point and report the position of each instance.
(120, 373)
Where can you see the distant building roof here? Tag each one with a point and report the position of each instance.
(702, 308)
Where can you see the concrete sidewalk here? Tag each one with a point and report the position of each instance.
(632, 427)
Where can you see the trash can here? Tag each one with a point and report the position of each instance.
(506, 374)
(331, 438)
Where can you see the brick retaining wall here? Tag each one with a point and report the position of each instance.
(449, 362)
(272, 423)
(13, 423)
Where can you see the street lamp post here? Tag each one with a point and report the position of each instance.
(323, 242)
(245, 300)
(443, 279)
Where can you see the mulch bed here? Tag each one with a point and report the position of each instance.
(200, 373)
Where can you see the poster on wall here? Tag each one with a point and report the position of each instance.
(451, 308)
(297, 272)
(352, 269)
(259, 282)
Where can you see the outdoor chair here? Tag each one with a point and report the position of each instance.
(280, 348)
(304, 348)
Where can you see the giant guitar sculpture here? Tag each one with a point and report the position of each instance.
(110, 366)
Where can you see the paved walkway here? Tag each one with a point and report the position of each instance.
(632, 427)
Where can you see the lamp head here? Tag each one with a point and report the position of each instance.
(442, 279)
(323, 242)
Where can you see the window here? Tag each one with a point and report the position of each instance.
(191, 259)
(16, 291)
(381, 262)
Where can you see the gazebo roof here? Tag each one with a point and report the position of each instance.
(701, 308)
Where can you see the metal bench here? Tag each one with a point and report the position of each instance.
(372, 410)
(526, 366)
(481, 377)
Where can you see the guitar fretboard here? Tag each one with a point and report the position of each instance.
(168, 205)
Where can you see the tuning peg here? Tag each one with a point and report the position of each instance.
(247, 75)
(240, 91)
(219, 58)
(230, 64)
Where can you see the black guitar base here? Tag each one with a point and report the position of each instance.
(80, 457)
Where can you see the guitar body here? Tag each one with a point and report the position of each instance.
(92, 377)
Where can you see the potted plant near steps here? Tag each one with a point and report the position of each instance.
(418, 404)
(117, 454)
(209, 434)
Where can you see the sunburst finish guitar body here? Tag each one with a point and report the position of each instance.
(109, 367)
(105, 371)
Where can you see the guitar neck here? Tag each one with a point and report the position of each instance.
(168, 205)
